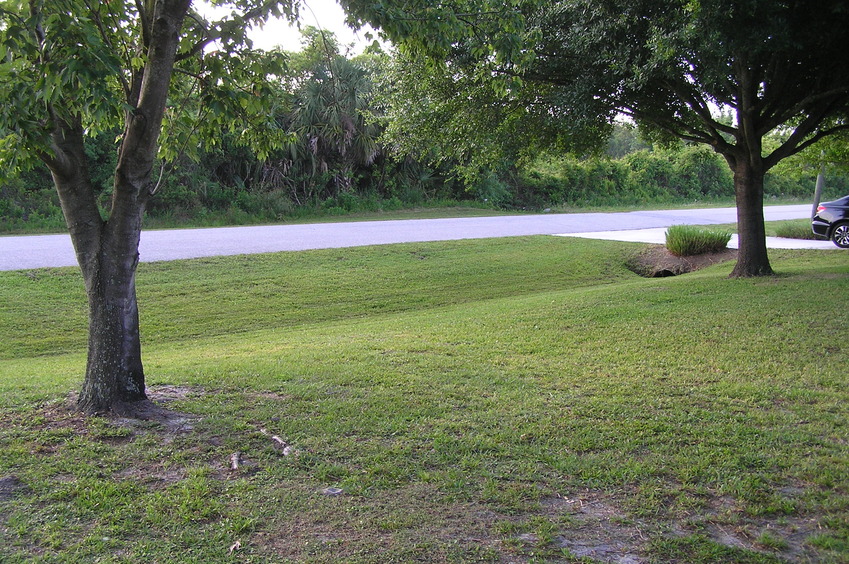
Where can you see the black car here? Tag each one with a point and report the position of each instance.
(832, 221)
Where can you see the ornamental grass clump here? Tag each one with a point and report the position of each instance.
(689, 240)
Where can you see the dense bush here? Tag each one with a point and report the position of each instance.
(690, 240)
(690, 173)
(219, 191)
(650, 176)
(30, 203)
(699, 173)
(640, 177)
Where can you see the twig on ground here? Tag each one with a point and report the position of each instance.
(287, 449)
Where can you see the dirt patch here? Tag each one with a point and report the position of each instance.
(599, 530)
(723, 521)
(657, 262)
(595, 525)
(417, 522)
(409, 524)
(10, 486)
(155, 410)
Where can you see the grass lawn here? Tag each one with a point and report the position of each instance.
(508, 400)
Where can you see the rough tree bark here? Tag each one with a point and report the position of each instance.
(747, 164)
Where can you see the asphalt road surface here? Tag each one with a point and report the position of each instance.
(39, 251)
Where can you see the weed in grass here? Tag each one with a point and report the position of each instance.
(700, 549)
(835, 543)
(771, 541)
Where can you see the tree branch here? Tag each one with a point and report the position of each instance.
(799, 140)
(200, 45)
(141, 134)
(680, 129)
(832, 97)
(702, 111)
(95, 17)
(211, 35)
(145, 23)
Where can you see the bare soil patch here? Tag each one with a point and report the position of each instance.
(657, 262)
(10, 486)
(135, 415)
(155, 410)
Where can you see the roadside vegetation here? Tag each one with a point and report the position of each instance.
(790, 229)
(526, 399)
(689, 240)
(342, 161)
(795, 229)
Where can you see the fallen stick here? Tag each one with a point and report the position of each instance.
(287, 450)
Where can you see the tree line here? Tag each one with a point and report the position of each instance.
(339, 157)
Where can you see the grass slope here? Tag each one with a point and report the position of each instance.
(523, 399)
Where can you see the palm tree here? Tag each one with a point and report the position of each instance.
(332, 139)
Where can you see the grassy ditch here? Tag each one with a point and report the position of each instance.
(524, 399)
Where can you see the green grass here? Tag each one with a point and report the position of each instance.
(790, 228)
(794, 229)
(522, 399)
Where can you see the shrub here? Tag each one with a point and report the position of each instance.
(29, 202)
(652, 175)
(491, 189)
(700, 172)
(689, 240)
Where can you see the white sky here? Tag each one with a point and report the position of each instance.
(323, 14)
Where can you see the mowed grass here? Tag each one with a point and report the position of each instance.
(509, 400)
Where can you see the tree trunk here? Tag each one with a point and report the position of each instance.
(114, 372)
(752, 259)
(107, 251)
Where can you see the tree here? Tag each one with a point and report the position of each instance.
(674, 67)
(331, 97)
(70, 69)
(625, 140)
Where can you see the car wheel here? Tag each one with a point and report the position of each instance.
(840, 235)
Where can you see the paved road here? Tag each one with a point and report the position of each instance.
(37, 251)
